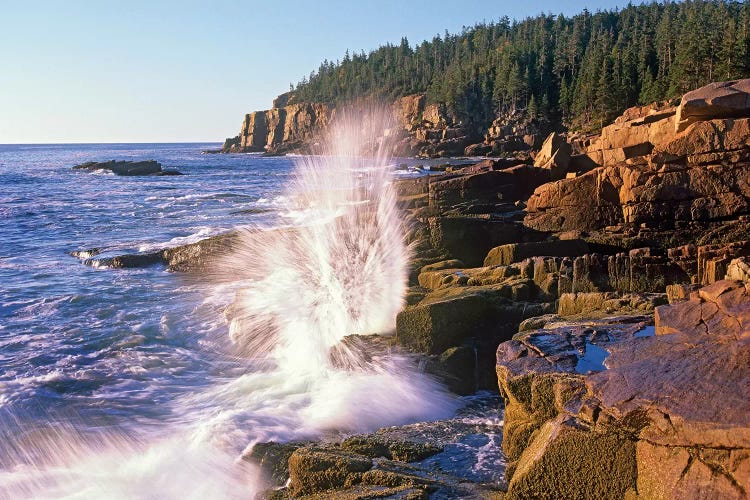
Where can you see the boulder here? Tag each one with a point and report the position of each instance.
(196, 257)
(273, 459)
(486, 186)
(457, 367)
(707, 142)
(715, 100)
(554, 156)
(434, 327)
(739, 270)
(473, 319)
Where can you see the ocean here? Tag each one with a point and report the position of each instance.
(125, 383)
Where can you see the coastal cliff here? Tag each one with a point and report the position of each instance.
(280, 129)
(420, 128)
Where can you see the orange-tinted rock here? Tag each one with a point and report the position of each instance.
(681, 397)
(722, 308)
(554, 156)
(715, 100)
(291, 126)
(706, 138)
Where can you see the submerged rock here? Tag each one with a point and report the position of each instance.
(128, 168)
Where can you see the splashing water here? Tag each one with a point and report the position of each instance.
(308, 299)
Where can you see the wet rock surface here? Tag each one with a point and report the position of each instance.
(454, 458)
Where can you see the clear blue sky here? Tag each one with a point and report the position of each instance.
(152, 71)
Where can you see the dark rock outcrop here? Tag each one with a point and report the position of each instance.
(127, 168)
(194, 257)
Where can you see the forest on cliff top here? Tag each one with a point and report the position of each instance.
(582, 70)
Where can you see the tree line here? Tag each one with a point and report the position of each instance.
(581, 71)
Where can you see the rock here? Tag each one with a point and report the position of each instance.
(127, 261)
(128, 168)
(442, 265)
(708, 142)
(474, 319)
(195, 257)
(669, 414)
(516, 252)
(722, 308)
(470, 238)
(679, 292)
(273, 459)
(458, 368)
(480, 149)
(632, 194)
(554, 156)
(408, 110)
(281, 129)
(283, 100)
(739, 270)
(715, 100)
(541, 374)
(597, 304)
(488, 186)
(597, 465)
(374, 446)
(634, 134)
(314, 470)
(713, 260)
(412, 187)
(436, 326)
(538, 322)
(584, 203)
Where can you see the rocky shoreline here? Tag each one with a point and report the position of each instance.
(600, 283)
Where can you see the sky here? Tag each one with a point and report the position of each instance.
(187, 71)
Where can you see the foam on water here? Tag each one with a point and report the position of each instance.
(302, 294)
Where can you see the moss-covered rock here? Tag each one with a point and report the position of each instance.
(313, 470)
(372, 446)
(566, 461)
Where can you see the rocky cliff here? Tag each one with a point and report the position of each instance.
(420, 129)
(280, 129)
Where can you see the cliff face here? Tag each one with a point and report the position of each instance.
(280, 129)
(421, 129)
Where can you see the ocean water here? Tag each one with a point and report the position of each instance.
(126, 383)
